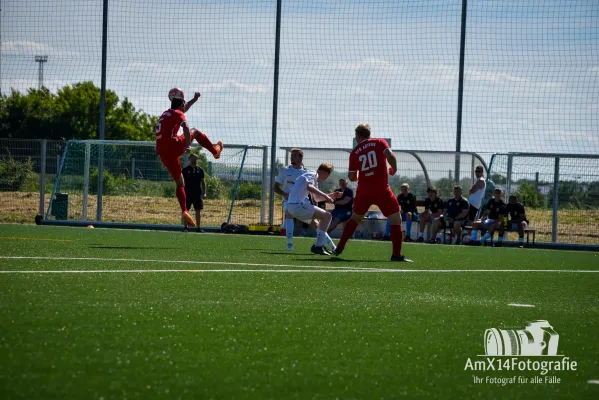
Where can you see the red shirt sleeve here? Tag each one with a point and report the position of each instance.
(354, 163)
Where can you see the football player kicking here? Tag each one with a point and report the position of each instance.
(368, 166)
(299, 205)
(170, 145)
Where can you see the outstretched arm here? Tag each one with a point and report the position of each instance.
(315, 190)
(192, 101)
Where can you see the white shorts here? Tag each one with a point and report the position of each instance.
(302, 211)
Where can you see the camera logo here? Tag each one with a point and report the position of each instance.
(537, 338)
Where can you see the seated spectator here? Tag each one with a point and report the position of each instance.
(517, 220)
(343, 205)
(492, 218)
(455, 215)
(409, 212)
(433, 209)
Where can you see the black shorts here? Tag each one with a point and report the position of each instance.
(342, 215)
(472, 211)
(451, 221)
(196, 201)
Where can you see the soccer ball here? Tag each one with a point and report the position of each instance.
(176, 93)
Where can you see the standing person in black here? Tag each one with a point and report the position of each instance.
(195, 188)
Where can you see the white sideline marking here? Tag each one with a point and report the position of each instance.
(594, 381)
(174, 262)
(520, 305)
(321, 267)
(141, 271)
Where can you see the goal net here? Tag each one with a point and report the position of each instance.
(137, 189)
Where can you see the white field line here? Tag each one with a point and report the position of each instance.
(320, 267)
(141, 271)
(594, 382)
(520, 305)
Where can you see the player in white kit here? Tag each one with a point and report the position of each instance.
(299, 205)
(282, 186)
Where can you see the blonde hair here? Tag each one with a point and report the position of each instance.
(325, 167)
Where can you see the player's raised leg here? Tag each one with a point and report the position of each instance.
(203, 141)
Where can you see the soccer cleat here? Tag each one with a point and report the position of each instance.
(407, 239)
(320, 250)
(188, 219)
(219, 147)
(498, 244)
(420, 239)
(337, 251)
(200, 230)
(289, 246)
(520, 245)
(400, 259)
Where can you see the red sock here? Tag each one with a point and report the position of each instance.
(396, 239)
(204, 141)
(348, 232)
(181, 197)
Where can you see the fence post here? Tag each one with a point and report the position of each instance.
(508, 185)
(43, 176)
(86, 180)
(237, 185)
(132, 167)
(264, 183)
(555, 201)
(57, 163)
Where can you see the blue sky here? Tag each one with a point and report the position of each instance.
(531, 77)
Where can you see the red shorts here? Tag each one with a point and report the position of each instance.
(384, 199)
(170, 152)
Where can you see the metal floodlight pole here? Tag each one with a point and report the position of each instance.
(40, 76)
(275, 97)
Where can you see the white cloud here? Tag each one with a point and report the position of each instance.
(24, 47)
(230, 83)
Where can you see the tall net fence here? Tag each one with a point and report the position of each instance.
(573, 215)
(137, 189)
(531, 69)
(20, 168)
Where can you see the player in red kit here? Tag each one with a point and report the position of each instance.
(170, 145)
(368, 166)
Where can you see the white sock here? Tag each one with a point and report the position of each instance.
(330, 242)
(320, 238)
(289, 227)
(421, 234)
(474, 234)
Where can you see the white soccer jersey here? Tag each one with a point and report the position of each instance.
(287, 177)
(299, 190)
(476, 198)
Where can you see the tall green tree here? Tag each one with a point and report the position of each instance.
(72, 113)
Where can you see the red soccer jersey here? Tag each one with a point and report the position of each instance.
(168, 126)
(369, 160)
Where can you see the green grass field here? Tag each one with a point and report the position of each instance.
(114, 314)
